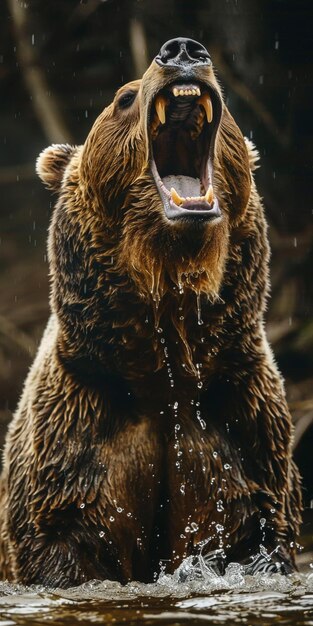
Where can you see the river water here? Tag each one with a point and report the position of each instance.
(234, 598)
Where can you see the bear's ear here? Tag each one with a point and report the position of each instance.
(253, 154)
(52, 162)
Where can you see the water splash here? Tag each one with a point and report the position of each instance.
(203, 597)
(176, 441)
(166, 355)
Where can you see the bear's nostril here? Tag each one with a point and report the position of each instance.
(170, 51)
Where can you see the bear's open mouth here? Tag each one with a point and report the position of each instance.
(184, 118)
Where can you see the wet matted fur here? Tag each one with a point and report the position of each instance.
(153, 418)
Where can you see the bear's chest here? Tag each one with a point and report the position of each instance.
(174, 492)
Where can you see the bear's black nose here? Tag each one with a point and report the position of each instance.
(183, 51)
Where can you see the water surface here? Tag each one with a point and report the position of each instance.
(232, 599)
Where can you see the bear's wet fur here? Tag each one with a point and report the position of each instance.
(153, 420)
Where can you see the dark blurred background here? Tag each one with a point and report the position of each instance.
(60, 63)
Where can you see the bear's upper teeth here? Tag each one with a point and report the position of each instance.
(180, 112)
(192, 90)
(206, 102)
(160, 105)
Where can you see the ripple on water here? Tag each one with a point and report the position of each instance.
(231, 599)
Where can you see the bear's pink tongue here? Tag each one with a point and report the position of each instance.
(185, 186)
(185, 189)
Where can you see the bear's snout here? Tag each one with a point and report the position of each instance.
(182, 51)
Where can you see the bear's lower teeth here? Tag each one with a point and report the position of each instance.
(177, 199)
(187, 189)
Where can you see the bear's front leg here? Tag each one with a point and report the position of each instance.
(232, 482)
(82, 474)
(60, 559)
(250, 406)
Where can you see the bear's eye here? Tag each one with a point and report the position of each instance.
(126, 99)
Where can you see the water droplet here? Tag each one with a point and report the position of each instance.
(200, 384)
(175, 406)
(159, 330)
(101, 533)
(129, 515)
(262, 522)
(194, 527)
(200, 321)
(119, 509)
(82, 505)
(219, 506)
(111, 518)
(215, 454)
(227, 466)
(182, 489)
(219, 528)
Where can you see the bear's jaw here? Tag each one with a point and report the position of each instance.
(184, 118)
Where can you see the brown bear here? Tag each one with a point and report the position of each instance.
(153, 423)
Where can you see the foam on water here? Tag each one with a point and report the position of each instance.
(234, 598)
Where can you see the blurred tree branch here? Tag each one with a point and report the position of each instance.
(302, 425)
(16, 173)
(44, 102)
(16, 336)
(138, 44)
(245, 93)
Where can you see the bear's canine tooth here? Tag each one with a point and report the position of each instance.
(209, 196)
(206, 102)
(160, 105)
(176, 92)
(175, 197)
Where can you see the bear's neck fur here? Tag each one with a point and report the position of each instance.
(167, 331)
